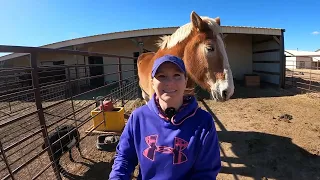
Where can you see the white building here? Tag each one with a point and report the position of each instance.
(302, 59)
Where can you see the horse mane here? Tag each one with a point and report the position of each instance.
(184, 31)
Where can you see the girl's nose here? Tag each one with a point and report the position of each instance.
(170, 80)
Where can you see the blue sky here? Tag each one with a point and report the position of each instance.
(36, 23)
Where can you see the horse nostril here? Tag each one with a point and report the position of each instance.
(224, 94)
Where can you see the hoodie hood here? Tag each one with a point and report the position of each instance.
(187, 110)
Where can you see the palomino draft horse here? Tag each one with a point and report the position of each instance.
(200, 45)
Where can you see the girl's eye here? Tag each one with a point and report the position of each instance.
(177, 76)
(161, 77)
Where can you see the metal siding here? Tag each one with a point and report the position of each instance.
(248, 30)
(268, 70)
(266, 45)
(274, 79)
(291, 62)
(239, 50)
(282, 60)
(268, 56)
(111, 68)
(123, 47)
(306, 60)
(270, 67)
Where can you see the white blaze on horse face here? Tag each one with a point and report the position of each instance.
(227, 70)
(221, 89)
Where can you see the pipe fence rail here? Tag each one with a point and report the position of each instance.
(47, 88)
(303, 74)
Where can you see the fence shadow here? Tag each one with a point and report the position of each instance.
(261, 155)
(270, 156)
(306, 85)
(96, 171)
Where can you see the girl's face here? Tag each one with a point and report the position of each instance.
(169, 83)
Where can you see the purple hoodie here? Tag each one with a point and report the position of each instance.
(184, 148)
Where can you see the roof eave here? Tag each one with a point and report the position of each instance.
(146, 32)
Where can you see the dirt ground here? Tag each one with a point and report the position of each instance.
(263, 133)
(259, 141)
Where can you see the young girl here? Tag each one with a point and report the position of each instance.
(171, 137)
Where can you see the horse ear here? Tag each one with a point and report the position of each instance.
(196, 20)
(218, 20)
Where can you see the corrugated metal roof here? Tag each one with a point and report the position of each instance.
(148, 32)
(255, 27)
(172, 27)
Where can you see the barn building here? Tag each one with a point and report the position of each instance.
(251, 50)
(296, 59)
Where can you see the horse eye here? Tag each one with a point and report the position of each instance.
(210, 48)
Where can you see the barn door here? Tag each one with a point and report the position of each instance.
(96, 70)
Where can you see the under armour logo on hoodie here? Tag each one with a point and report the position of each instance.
(179, 145)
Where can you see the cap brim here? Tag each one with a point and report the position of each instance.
(158, 65)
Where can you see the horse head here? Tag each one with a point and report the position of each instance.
(200, 44)
(206, 58)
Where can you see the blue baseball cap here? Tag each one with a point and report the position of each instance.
(168, 58)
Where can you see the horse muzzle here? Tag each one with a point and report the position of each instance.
(222, 93)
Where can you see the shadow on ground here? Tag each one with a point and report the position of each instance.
(243, 92)
(96, 171)
(262, 155)
(267, 155)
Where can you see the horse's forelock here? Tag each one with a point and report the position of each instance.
(162, 43)
(184, 31)
(179, 35)
(212, 25)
